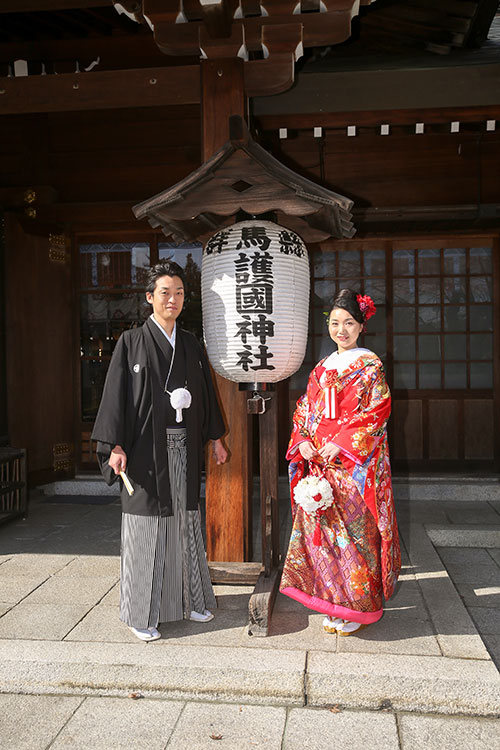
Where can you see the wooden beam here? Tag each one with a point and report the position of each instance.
(375, 118)
(108, 89)
(269, 77)
(34, 6)
(243, 574)
(384, 89)
(139, 87)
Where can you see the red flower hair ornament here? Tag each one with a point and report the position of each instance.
(366, 305)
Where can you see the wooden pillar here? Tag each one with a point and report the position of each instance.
(228, 487)
(222, 95)
(268, 434)
(4, 430)
(496, 351)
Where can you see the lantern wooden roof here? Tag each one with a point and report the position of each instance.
(243, 176)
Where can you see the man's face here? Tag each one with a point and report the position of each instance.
(167, 299)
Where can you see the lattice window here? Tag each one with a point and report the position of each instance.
(434, 323)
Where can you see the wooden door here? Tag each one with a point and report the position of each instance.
(39, 346)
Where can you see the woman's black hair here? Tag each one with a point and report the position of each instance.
(165, 268)
(347, 300)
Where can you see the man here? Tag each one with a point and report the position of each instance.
(158, 410)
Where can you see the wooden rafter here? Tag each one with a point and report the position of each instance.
(280, 25)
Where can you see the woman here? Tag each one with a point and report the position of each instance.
(343, 558)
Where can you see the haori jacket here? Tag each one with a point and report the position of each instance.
(131, 415)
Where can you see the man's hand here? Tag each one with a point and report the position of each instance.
(307, 450)
(220, 453)
(329, 452)
(118, 459)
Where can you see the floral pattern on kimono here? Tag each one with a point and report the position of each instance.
(359, 557)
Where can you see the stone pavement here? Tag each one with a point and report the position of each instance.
(422, 676)
(33, 722)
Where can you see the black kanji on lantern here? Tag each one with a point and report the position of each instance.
(262, 265)
(263, 355)
(244, 328)
(262, 328)
(291, 244)
(242, 277)
(254, 237)
(256, 298)
(216, 243)
(242, 262)
(245, 358)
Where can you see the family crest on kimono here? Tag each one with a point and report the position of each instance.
(343, 558)
(158, 410)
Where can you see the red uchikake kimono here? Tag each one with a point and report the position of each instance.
(357, 560)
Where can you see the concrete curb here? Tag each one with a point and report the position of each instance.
(259, 676)
(183, 672)
(405, 683)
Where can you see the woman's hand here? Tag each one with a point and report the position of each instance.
(329, 452)
(307, 450)
(118, 459)
(220, 453)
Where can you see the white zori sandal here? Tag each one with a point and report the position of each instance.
(205, 616)
(330, 624)
(342, 627)
(151, 634)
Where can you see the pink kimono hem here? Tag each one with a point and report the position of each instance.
(334, 610)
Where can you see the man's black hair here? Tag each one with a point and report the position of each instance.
(164, 268)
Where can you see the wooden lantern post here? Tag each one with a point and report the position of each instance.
(228, 487)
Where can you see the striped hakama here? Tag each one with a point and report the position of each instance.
(163, 572)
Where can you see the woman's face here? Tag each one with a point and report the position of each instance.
(343, 329)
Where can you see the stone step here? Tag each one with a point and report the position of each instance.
(481, 489)
(269, 676)
(405, 683)
(91, 485)
(457, 535)
(261, 676)
(438, 487)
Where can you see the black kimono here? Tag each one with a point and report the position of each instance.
(132, 415)
(164, 574)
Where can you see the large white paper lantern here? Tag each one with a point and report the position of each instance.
(255, 301)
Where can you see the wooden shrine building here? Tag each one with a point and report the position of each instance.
(395, 105)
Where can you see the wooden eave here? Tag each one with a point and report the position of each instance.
(243, 176)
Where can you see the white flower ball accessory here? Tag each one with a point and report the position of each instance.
(313, 494)
(180, 398)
